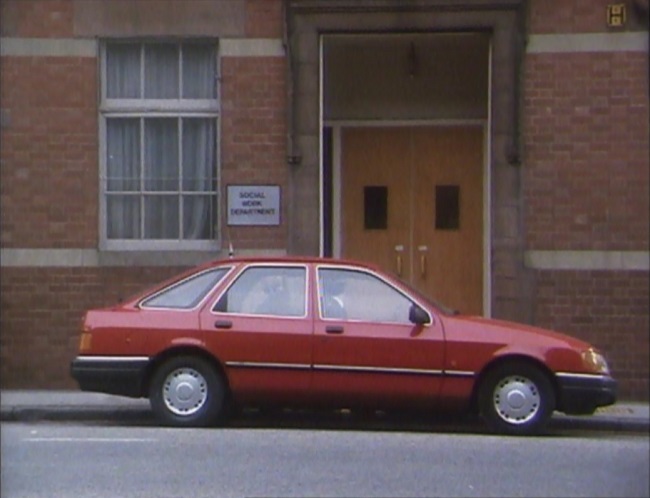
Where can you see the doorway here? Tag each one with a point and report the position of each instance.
(411, 200)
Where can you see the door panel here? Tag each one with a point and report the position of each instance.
(371, 354)
(451, 266)
(376, 157)
(444, 259)
(261, 329)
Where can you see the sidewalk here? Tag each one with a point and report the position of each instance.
(31, 405)
(25, 406)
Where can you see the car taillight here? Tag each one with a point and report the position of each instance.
(85, 342)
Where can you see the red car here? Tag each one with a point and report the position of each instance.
(317, 332)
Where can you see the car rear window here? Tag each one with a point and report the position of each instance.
(187, 293)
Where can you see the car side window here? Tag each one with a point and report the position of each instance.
(356, 295)
(187, 293)
(266, 290)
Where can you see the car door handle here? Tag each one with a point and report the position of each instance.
(333, 329)
(223, 324)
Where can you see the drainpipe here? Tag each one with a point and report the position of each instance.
(515, 152)
(293, 158)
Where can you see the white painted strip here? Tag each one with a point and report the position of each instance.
(588, 260)
(48, 47)
(251, 47)
(588, 42)
(92, 257)
(49, 257)
(90, 440)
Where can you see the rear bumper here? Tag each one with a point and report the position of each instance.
(581, 394)
(121, 375)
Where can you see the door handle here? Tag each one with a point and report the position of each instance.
(333, 329)
(399, 249)
(423, 260)
(223, 324)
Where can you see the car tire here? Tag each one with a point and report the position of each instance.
(186, 391)
(516, 398)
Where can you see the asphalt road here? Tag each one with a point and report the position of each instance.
(99, 460)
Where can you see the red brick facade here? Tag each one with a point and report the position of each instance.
(50, 149)
(41, 316)
(253, 137)
(583, 181)
(586, 185)
(577, 162)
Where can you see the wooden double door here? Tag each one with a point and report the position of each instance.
(412, 202)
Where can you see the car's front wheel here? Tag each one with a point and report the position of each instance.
(186, 391)
(516, 398)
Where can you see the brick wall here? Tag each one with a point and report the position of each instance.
(579, 16)
(586, 183)
(608, 309)
(49, 180)
(254, 138)
(50, 175)
(264, 19)
(41, 317)
(37, 18)
(586, 151)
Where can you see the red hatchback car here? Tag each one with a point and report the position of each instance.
(317, 332)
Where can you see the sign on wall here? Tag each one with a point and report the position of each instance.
(253, 205)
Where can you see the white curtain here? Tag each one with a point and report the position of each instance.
(161, 176)
(198, 173)
(161, 71)
(199, 71)
(123, 178)
(123, 71)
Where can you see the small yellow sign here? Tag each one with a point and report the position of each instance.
(616, 15)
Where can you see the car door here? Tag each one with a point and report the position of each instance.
(260, 328)
(366, 350)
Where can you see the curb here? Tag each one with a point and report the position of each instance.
(144, 414)
(600, 424)
(73, 414)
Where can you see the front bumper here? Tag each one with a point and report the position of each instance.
(581, 394)
(121, 375)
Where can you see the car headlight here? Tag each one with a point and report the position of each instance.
(595, 361)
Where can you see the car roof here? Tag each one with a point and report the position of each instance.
(289, 259)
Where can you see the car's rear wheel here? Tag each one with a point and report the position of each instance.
(186, 391)
(516, 398)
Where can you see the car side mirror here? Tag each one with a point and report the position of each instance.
(418, 316)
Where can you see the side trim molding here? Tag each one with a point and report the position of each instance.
(275, 366)
(351, 368)
(570, 375)
(113, 359)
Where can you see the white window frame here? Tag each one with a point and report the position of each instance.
(148, 108)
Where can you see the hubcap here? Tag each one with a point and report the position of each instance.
(185, 391)
(516, 399)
